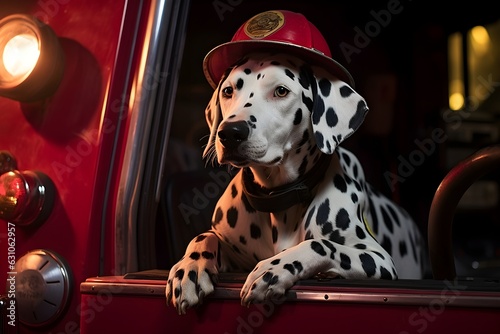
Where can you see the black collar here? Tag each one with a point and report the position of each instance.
(283, 197)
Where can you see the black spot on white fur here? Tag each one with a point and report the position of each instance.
(326, 228)
(304, 77)
(232, 216)
(319, 110)
(200, 238)
(387, 244)
(368, 264)
(325, 87)
(342, 220)
(319, 139)
(402, 248)
(337, 238)
(308, 102)
(219, 214)
(239, 84)
(387, 219)
(255, 231)
(331, 117)
(323, 212)
(340, 183)
(359, 116)
(309, 217)
(360, 233)
(298, 117)
(345, 91)
(345, 261)
(316, 246)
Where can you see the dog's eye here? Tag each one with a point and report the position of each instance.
(227, 92)
(281, 91)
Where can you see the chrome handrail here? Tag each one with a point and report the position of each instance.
(445, 202)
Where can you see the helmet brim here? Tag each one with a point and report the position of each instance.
(220, 58)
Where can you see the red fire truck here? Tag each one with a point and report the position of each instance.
(101, 128)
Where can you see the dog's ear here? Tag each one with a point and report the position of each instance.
(337, 111)
(213, 114)
(213, 117)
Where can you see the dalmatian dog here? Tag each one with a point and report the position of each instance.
(299, 205)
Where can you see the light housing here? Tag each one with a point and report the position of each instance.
(26, 198)
(31, 59)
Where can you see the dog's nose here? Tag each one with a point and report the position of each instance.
(233, 134)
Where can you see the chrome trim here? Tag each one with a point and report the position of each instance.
(396, 297)
(94, 288)
(401, 298)
(114, 153)
(141, 113)
(152, 95)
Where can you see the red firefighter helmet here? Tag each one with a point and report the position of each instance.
(274, 30)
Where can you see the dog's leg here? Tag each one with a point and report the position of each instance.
(193, 277)
(273, 276)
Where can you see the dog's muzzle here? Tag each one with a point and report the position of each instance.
(232, 134)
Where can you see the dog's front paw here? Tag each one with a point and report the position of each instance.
(189, 281)
(269, 280)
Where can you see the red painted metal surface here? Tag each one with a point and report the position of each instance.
(71, 135)
(147, 312)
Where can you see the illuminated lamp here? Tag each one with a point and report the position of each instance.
(31, 59)
(26, 198)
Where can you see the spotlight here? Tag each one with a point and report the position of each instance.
(31, 59)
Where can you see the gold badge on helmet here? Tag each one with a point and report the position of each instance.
(264, 24)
